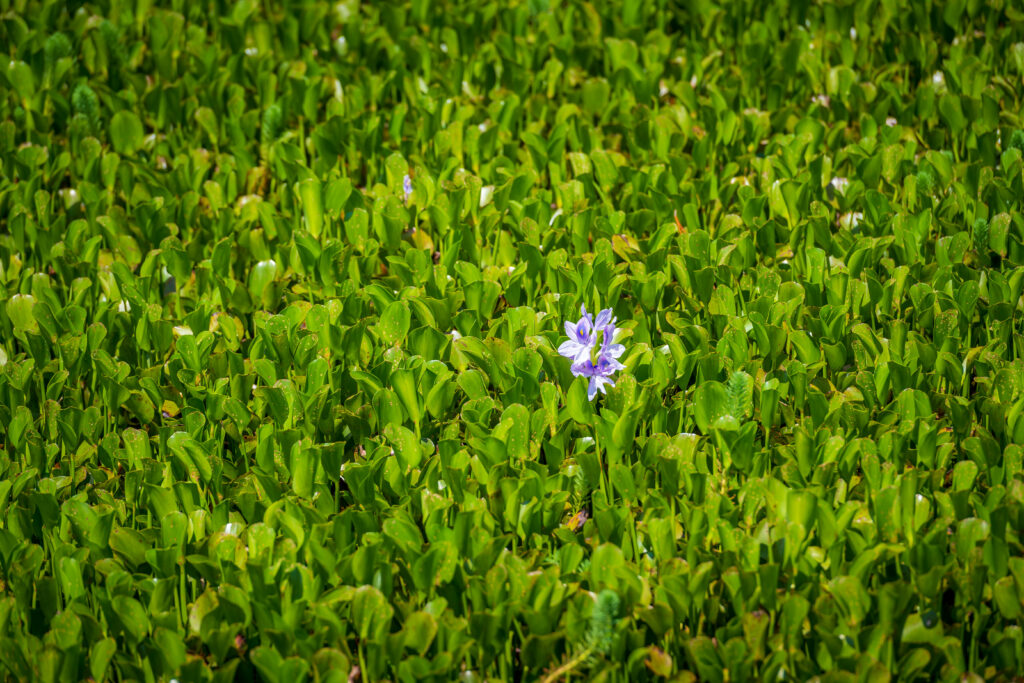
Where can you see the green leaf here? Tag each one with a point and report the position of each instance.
(917, 631)
(405, 444)
(99, 657)
(132, 616)
(207, 120)
(19, 310)
(711, 403)
(419, 631)
(740, 395)
(261, 278)
(577, 403)
(191, 455)
(407, 391)
(126, 132)
(20, 76)
(394, 322)
(130, 544)
(309, 191)
(952, 112)
(370, 613)
(303, 471)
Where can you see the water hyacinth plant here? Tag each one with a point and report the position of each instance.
(598, 362)
(280, 287)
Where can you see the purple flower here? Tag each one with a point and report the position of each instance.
(600, 373)
(581, 346)
(581, 337)
(407, 187)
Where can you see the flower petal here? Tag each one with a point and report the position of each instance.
(603, 318)
(584, 332)
(570, 330)
(592, 388)
(613, 350)
(569, 349)
(583, 367)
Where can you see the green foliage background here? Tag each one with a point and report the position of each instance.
(240, 439)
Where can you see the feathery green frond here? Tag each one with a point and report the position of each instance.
(601, 632)
(85, 102)
(57, 47)
(1017, 140)
(979, 234)
(740, 390)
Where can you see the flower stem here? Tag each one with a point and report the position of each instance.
(632, 521)
(602, 475)
(567, 667)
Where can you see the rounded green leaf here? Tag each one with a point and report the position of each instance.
(710, 402)
(405, 444)
(418, 631)
(126, 132)
(260, 277)
(370, 613)
(394, 322)
(19, 310)
(576, 401)
(132, 616)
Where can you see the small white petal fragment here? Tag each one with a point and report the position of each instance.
(851, 219)
(486, 193)
(841, 185)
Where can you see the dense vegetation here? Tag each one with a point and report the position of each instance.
(283, 284)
